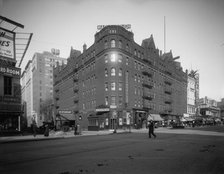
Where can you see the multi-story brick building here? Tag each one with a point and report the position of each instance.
(37, 86)
(117, 82)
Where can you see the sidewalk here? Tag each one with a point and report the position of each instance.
(57, 135)
(61, 135)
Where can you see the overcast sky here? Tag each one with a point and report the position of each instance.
(194, 29)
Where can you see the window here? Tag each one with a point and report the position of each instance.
(113, 86)
(120, 72)
(127, 60)
(7, 85)
(112, 43)
(106, 58)
(106, 86)
(120, 100)
(119, 58)
(106, 72)
(120, 44)
(120, 86)
(127, 47)
(113, 100)
(105, 44)
(113, 72)
(106, 101)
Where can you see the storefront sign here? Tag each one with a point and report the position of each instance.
(7, 43)
(9, 70)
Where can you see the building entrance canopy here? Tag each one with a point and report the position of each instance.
(155, 117)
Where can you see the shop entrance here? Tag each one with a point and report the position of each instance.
(113, 123)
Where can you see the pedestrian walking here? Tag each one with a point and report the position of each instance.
(151, 128)
(34, 129)
(76, 130)
(46, 132)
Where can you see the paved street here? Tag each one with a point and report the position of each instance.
(116, 153)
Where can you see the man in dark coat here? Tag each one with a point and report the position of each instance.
(151, 129)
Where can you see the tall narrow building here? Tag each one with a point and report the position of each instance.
(37, 86)
(116, 82)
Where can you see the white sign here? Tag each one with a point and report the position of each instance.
(7, 43)
(65, 111)
(10, 70)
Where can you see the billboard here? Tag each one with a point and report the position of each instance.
(7, 43)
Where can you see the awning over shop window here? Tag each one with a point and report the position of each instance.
(155, 117)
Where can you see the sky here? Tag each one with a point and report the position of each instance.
(194, 29)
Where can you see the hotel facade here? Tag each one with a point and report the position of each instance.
(117, 82)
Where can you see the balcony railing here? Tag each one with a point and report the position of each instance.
(75, 90)
(168, 102)
(76, 100)
(75, 80)
(145, 73)
(147, 61)
(147, 97)
(167, 82)
(147, 85)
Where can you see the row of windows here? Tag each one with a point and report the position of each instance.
(113, 43)
(113, 86)
(113, 72)
(113, 101)
(89, 105)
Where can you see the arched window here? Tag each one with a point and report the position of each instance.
(112, 43)
(113, 72)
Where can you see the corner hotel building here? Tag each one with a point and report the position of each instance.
(116, 82)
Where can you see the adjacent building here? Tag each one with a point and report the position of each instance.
(192, 93)
(10, 89)
(117, 82)
(208, 108)
(220, 105)
(37, 86)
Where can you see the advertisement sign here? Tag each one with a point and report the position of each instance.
(12, 71)
(7, 43)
